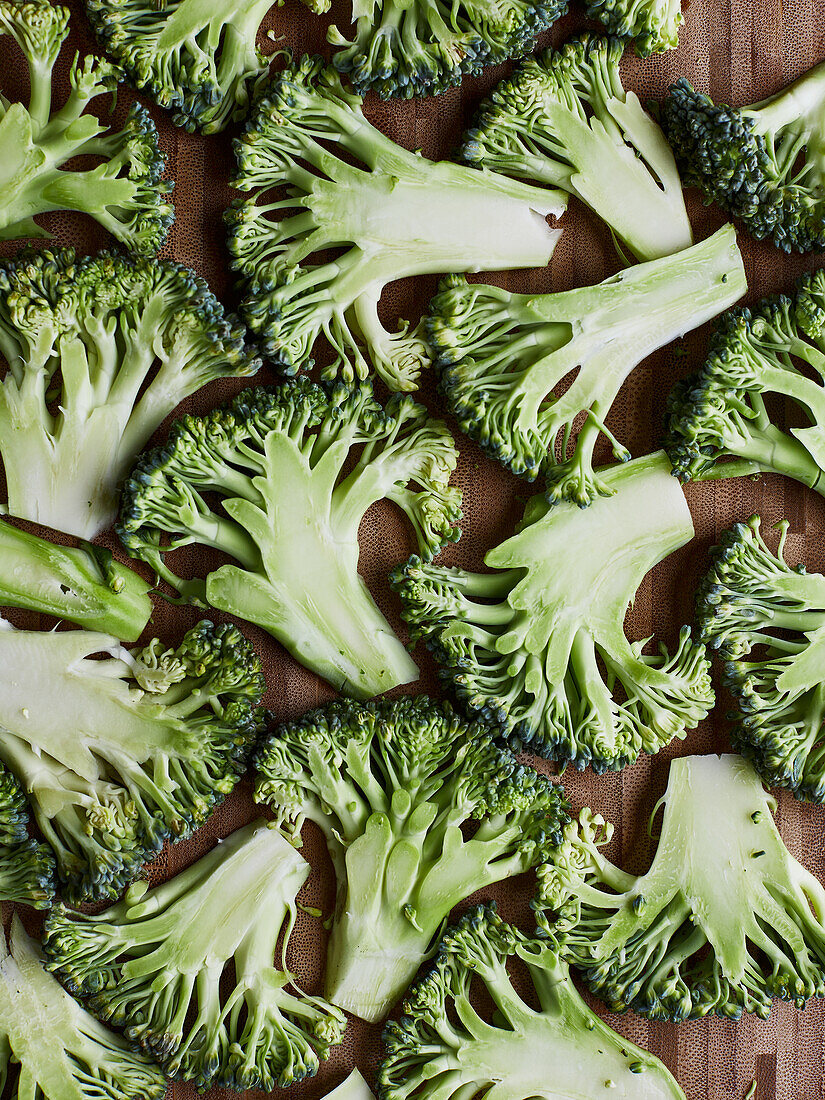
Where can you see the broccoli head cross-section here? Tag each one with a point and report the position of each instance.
(537, 646)
(26, 867)
(391, 784)
(393, 213)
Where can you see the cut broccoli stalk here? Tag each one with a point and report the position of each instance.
(155, 964)
(394, 214)
(51, 1048)
(564, 120)
(554, 1047)
(26, 867)
(503, 356)
(537, 646)
(120, 754)
(291, 505)
(652, 24)
(724, 920)
(391, 784)
(353, 1087)
(764, 163)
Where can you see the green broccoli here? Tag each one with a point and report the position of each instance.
(118, 755)
(764, 164)
(503, 356)
(394, 214)
(353, 1087)
(564, 119)
(553, 1046)
(391, 784)
(537, 646)
(653, 24)
(26, 867)
(292, 499)
(51, 1048)
(724, 920)
(155, 964)
(124, 192)
(99, 350)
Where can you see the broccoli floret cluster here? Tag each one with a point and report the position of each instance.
(652, 24)
(26, 867)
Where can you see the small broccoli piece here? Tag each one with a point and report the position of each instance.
(503, 356)
(291, 504)
(98, 350)
(391, 784)
(537, 646)
(26, 867)
(653, 24)
(764, 164)
(353, 1087)
(51, 1048)
(724, 920)
(124, 192)
(118, 755)
(156, 965)
(564, 120)
(444, 1046)
(394, 214)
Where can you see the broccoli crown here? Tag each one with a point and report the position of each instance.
(764, 164)
(148, 742)
(564, 119)
(291, 501)
(156, 965)
(124, 192)
(503, 357)
(652, 24)
(391, 783)
(724, 920)
(99, 350)
(51, 1048)
(390, 211)
(26, 867)
(445, 1045)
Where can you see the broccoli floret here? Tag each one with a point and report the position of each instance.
(26, 867)
(719, 420)
(653, 24)
(753, 600)
(502, 357)
(724, 920)
(765, 163)
(118, 755)
(391, 784)
(292, 496)
(155, 965)
(98, 350)
(51, 1048)
(394, 214)
(551, 1046)
(537, 646)
(125, 192)
(564, 119)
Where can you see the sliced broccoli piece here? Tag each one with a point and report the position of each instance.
(125, 192)
(353, 1087)
(394, 214)
(652, 24)
(98, 350)
(764, 164)
(51, 1048)
(552, 1046)
(391, 784)
(724, 920)
(537, 646)
(26, 867)
(155, 964)
(291, 501)
(502, 357)
(118, 755)
(564, 120)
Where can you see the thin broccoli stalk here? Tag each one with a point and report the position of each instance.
(791, 124)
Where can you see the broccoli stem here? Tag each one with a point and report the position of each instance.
(801, 106)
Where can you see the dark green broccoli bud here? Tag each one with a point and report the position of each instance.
(553, 1046)
(724, 920)
(502, 357)
(564, 120)
(124, 192)
(156, 965)
(293, 495)
(99, 350)
(653, 24)
(537, 646)
(26, 867)
(394, 214)
(391, 784)
(51, 1048)
(117, 755)
(764, 164)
